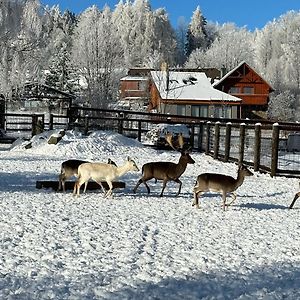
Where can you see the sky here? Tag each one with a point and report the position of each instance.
(138, 246)
(253, 14)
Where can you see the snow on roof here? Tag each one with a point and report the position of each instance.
(188, 86)
(133, 78)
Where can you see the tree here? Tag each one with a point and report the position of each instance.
(196, 33)
(97, 53)
(282, 107)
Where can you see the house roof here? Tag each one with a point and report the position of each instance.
(236, 68)
(188, 86)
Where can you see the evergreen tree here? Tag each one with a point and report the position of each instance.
(196, 34)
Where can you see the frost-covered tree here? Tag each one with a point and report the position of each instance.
(59, 72)
(182, 27)
(22, 40)
(97, 54)
(232, 46)
(196, 37)
(282, 106)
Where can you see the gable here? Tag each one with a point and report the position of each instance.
(243, 73)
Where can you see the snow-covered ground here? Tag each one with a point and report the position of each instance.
(139, 246)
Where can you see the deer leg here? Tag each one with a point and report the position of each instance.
(101, 185)
(85, 186)
(164, 186)
(137, 185)
(233, 194)
(145, 183)
(180, 184)
(147, 186)
(224, 200)
(77, 186)
(109, 192)
(196, 198)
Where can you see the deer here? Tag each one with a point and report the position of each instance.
(69, 168)
(214, 182)
(166, 171)
(101, 171)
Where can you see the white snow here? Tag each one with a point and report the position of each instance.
(188, 85)
(139, 246)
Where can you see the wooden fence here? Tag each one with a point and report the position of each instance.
(274, 148)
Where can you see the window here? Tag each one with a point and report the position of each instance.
(200, 111)
(248, 90)
(142, 85)
(181, 110)
(234, 90)
(222, 111)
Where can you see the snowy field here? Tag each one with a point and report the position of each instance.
(139, 246)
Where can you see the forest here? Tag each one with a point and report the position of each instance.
(87, 54)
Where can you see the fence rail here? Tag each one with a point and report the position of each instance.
(274, 148)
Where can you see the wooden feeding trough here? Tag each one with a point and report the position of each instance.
(69, 185)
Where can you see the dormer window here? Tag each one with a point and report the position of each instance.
(249, 90)
(234, 90)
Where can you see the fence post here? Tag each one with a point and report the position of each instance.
(275, 146)
(86, 125)
(139, 130)
(192, 136)
(257, 144)
(120, 123)
(200, 136)
(217, 140)
(34, 121)
(227, 141)
(207, 137)
(51, 122)
(242, 143)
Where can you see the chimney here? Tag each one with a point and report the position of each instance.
(165, 68)
(223, 71)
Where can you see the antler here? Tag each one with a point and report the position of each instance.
(168, 138)
(180, 140)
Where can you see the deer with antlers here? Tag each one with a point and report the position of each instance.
(166, 171)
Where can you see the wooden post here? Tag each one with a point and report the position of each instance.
(200, 136)
(227, 141)
(207, 137)
(257, 145)
(192, 136)
(120, 123)
(242, 143)
(86, 125)
(51, 122)
(34, 122)
(217, 140)
(275, 146)
(139, 130)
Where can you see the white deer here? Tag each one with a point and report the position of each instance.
(212, 182)
(102, 172)
(69, 168)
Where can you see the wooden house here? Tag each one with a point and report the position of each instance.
(190, 94)
(136, 88)
(39, 98)
(246, 84)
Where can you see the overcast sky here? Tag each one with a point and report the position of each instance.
(253, 14)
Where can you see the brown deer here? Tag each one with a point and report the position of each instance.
(69, 168)
(166, 171)
(101, 171)
(211, 182)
